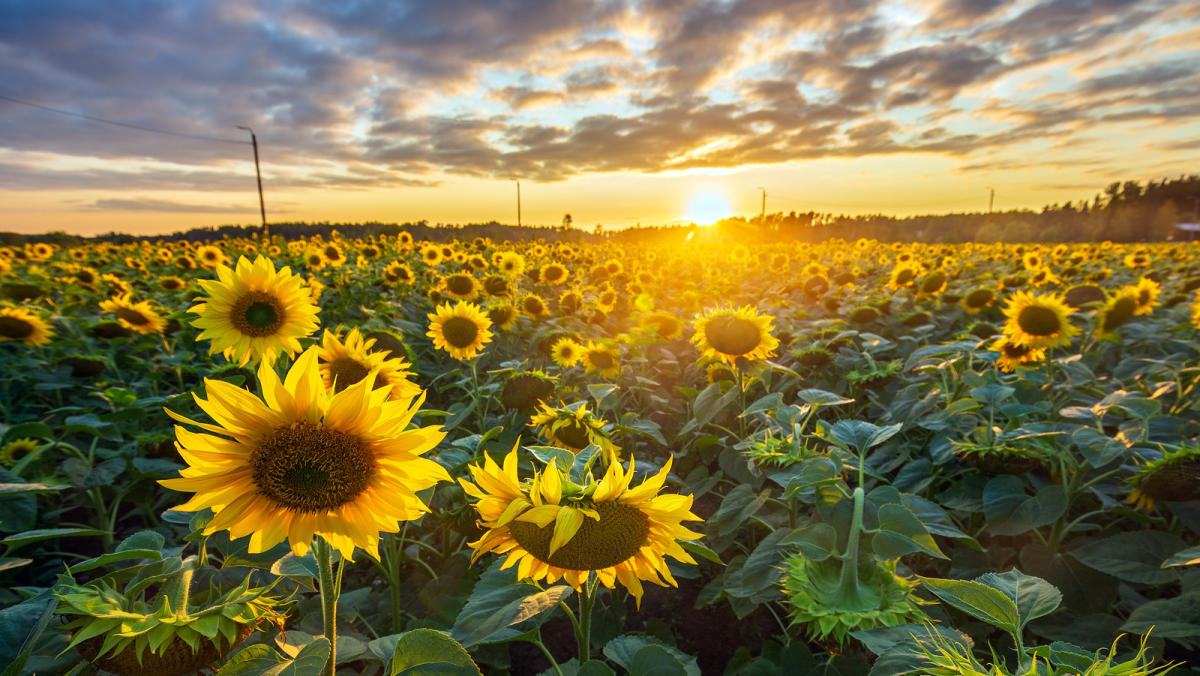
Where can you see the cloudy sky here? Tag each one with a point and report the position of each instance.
(615, 112)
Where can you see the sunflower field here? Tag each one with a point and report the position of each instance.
(335, 455)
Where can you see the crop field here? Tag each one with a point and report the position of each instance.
(377, 455)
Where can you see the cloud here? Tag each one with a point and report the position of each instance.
(147, 204)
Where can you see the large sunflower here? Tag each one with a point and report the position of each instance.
(254, 312)
(139, 317)
(1038, 321)
(346, 363)
(304, 460)
(729, 334)
(461, 330)
(552, 528)
(24, 326)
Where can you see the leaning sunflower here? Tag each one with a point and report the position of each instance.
(24, 326)
(602, 359)
(1173, 477)
(254, 312)
(552, 528)
(1038, 321)
(574, 428)
(304, 460)
(1013, 355)
(1116, 311)
(461, 330)
(140, 317)
(346, 363)
(729, 334)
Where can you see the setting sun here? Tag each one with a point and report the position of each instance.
(708, 208)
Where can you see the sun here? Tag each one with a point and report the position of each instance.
(708, 208)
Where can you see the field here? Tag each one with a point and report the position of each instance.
(587, 458)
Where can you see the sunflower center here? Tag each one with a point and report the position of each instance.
(257, 314)
(460, 331)
(1039, 321)
(732, 335)
(460, 285)
(979, 297)
(15, 328)
(132, 316)
(346, 372)
(1119, 313)
(308, 467)
(601, 360)
(574, 434)
(905, 277)
(617, 536)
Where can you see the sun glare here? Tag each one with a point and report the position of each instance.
(708, 208)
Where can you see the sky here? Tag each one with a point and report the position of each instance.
(618, 113)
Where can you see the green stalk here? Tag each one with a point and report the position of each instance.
(587, 600)
(848, 587)
(329, 599)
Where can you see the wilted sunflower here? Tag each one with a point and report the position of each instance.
(303, 460)
(1038, 321)
(1117, 310)
(566, 352)
(254, 312)
(602, 359)
(570, 302)
(23, 326)
(729, 334)
(461, 330)
(574, 428)
(552, 528)
(1175, 477)
(1013, 355)
(139, 317)
(16, 449)
(345, 363)
(1146, 292)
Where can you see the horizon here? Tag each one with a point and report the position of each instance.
(616, 113)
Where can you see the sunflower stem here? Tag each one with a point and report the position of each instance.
(329, 599)
(546, 651)
(587, 600)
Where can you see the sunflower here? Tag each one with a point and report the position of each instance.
(139, 317)
(570, 302)
(431, 254)
(554, 273)
(503, 315)
(1146, 292)
(934, 283)
(210, 256)
(977, 300)
(254, 312)
(719, 372)
(574, 428)
(510, 263)
(345, 363)
(1117, 310)
(600, 358)
(460, 285)
(171, 283)
(16, 449)
(566, 352)
(1195, 308)
(552, 528)
(461, 330)
(663, 324)
(24, 326)
(304, 460)
(1175, 477)
(398, 273)
(1013, 355)
(534, 306)
(729, 334)
(904, 275)
(525, 390)
(313, 259)
(1038, 321)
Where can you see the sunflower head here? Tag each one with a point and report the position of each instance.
(524, 391)
(553, 528)
(566, 352)
(460, 285)
(978, 299)
(602, 359)
(1083, 295)
(729, 334)
(253, 312)
(574, 428)
(1146, 293)
(663, 325)
(1013, 355)
(139, 317)
(1117, 311)
(461, 330)
(1038, 321)
(534, 306)
(1173, 477)
(345, 363)
(23, 326)
(554, 273)
(305, 460)
(16, 449)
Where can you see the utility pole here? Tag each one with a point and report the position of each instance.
(262, 207)
(991, 198)
(518, 201)
(762, 218)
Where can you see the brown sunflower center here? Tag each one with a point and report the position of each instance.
(533, 305)
(601, 359)
(732, 335)
(460, 332)
(525, 390)
(1015, 351)
(979, 298)
(1177, 480)
(1120, 312)
(574, 434)
(1039, 321)
(905, 277)
(460, 285)
(132, 316)
(257, 314)
(15, 328)
(553, 273)
(308, 467)
(346, 372)
(500, 315)
(617, 536)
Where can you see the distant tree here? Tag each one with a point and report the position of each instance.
(567, 220)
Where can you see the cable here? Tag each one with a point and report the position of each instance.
(120, 124)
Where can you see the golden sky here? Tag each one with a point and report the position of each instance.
(617, 113)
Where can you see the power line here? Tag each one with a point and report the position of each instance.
(119, 124)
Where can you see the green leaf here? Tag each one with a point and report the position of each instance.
(817, 541)
(822, 398)
(33, 430)
(992, 393)
(1187, 557)
(548, 454)
(1034, 596)
(310, 660)
(977, 600)
(1175, 618)
(1097, 448)
(762, 569)
(20, 627)
(624, 650)
(599, 392)
(1135, 556)
(294, 566)
(901, 532)
(769, 402)
(739, 504)
(1010, 511)
(654, 660)
(499, 601)
(595, 668)
(858, 435)
(701, 550)
(23, 489)
(423, 652)
(19, 539)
